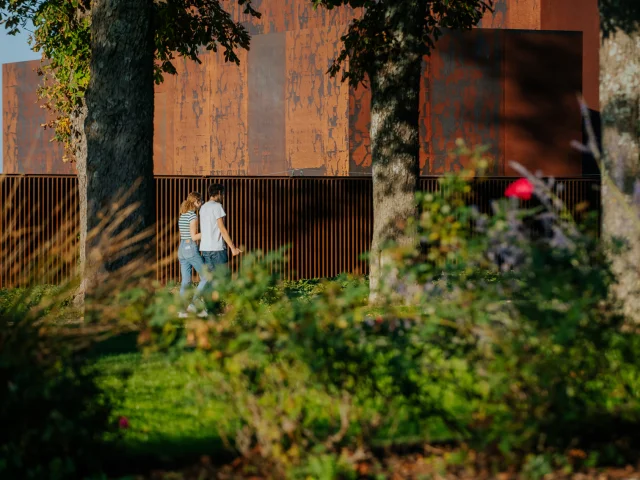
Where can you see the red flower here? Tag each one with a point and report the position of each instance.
(521, 188)
(123, 422)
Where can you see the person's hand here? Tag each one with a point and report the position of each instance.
(235, 251)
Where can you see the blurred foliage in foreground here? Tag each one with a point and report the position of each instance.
(497, 333)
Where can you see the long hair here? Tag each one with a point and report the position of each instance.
(189, 205)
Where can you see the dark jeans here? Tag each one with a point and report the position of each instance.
(215, 260)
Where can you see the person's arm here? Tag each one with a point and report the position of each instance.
(193, 229)
(225, 234)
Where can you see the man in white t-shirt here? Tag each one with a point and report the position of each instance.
(214, 233)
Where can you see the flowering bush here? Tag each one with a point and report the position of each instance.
(524, 300)
(522, 189)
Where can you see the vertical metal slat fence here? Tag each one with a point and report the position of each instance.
(326, 223)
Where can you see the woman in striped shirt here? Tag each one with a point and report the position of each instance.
(188, 252)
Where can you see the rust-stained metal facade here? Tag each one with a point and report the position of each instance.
(512, 90)
(326, 222)
(557, 15)
(510, 84)
(27, 146)
(278, 113)
(292, 145)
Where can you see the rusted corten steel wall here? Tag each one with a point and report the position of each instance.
(512, 90)
(27, 146)
(326, 222)
(553, 15)
(566, 15)
(278, 113)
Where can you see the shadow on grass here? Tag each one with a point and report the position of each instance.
(166, 455)
(117, 345)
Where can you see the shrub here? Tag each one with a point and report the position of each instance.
(523, 298)
(53, 414)
(499, 331)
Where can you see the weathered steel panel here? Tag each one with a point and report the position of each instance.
(191, 117)
(229, 121)
(359, 127)
(286, 15)
(497, 18)
(301, 15)
(465, 94)
(279, 112)
(582, 16)
(28, 147)
(556, 15)
(514, 14)
(163, 148)
(316, 105)
(266, 107)
(10, 119)
(424, 119)
(460, 97)
(542, 117)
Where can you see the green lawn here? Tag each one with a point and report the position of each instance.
(173, 414)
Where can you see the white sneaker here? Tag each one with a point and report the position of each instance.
(183, 315)
(203, 314)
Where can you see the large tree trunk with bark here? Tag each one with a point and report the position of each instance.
(395, 141)
(119, 130)
(395, 89)
(620, 106)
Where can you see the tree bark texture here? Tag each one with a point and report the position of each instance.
(78, 118)
(119, 130)
(395, 88)
(395, 145)
(620, 105)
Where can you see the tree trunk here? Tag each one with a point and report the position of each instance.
(395, 89)
(78, 118)
(620, 102)
(119, 130)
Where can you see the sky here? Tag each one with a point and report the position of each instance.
(12, 49)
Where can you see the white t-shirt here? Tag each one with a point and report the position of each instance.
(211, 240)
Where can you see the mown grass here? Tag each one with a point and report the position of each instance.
(173, 415)
(173, 412)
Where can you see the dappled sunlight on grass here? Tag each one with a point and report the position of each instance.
(170, 413)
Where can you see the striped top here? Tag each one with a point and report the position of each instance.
(183, 224)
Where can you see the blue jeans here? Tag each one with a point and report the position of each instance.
(190, 259)
(214, 260)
